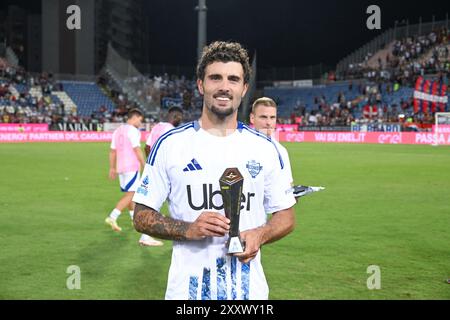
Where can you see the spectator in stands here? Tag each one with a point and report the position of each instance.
(312, 119)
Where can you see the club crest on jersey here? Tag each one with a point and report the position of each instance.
(143, 189)
(254, 168)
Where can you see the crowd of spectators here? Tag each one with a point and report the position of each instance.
(23, 107)
(167, 90)
(369, 107)
(160, 91)
(409, 58)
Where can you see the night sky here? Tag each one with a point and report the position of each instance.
(283, 32)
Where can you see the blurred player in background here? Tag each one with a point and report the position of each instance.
(174, 119)
(126, 159)
(264, 118)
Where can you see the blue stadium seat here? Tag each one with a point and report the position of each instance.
(288, 98)
(87, 96)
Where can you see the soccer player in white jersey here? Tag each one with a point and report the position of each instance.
(126, 159)
(185, 166)
(264, 118)
(174, 119)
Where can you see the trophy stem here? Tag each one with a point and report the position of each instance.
(231, 185)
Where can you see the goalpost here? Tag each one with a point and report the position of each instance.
(441, 125)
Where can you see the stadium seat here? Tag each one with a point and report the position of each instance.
(87, 96)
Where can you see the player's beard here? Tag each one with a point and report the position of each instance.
(221, 112)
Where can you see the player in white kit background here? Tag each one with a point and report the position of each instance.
(126, 160)
(264, 119)
(184, 168)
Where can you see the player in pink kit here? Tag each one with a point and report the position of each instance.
(126, 160)
(174, 119)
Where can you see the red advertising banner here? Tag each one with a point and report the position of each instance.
(56, 136)
(60, 136)
(294, 136)
(366, 137)
(287, 127)
(283, 127)
(442, 128)
(23, 127)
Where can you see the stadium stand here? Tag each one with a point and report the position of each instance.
(403, 59)
(30, 98)
(378, 89)
(87, 97)
(383, 83)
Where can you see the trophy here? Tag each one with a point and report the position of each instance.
(231, 184)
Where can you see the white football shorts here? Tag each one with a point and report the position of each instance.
(129, 181)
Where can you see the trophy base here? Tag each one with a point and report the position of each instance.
(235, 245)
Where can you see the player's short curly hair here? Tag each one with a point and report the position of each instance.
(221, 51)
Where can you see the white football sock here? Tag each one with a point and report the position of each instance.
(115, 214)
(131, 214)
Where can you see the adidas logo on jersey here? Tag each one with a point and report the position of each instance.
(193, 166)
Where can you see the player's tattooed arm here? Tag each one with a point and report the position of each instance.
(151, 222)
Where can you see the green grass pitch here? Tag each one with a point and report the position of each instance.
(384, 205)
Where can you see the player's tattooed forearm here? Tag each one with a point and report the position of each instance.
(151, 222)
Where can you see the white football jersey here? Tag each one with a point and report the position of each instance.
(184, 168)
(285, 156)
